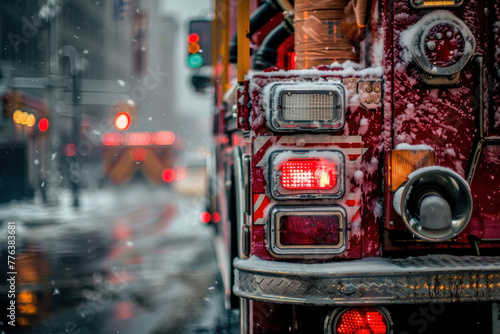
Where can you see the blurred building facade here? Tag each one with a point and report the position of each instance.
(72, 62)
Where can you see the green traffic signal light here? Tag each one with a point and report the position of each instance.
(194, 60)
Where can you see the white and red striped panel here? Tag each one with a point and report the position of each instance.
(351, 146)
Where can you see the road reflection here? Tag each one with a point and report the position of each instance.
(147, 267)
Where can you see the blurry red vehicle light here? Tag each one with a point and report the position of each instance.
(164, 138)
(205, 217)
(70, 150)
(43, 125)
(215, 217)
(168, 175)
(111, 139)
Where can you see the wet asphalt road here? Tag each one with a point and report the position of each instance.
(131, 260)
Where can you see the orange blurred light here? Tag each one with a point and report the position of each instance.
(122, 121)
(24, 118)
(168, 175)
(193, 48)
(26, 297)
(31, 120)
(17, 116)
(27, 309)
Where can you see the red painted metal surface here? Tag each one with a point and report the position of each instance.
(360, 140)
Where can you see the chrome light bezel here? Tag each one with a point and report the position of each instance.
(278, 192)
(418, 44)
(286, 251)
(279, 91)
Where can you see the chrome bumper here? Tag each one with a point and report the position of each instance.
(428, 279)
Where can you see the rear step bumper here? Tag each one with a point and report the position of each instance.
(427, 279)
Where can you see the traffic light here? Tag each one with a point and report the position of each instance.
(126, 113)
(24, 118)
(122, 121)
(199, 51)
(43, 124)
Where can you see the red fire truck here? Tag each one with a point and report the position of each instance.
(355, 176)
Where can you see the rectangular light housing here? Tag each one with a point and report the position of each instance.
(306, 174)
(299, 106)
(307, 231)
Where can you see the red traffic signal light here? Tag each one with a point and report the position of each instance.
(122, 121)
(199, 52)
(193, 38)
(43, 125)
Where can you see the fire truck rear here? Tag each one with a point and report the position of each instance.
(355, 178)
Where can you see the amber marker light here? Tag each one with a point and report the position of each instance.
(403, 162)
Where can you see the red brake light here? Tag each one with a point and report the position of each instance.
(111, 138)
(303, 174)
(215, 217)
(43, 125)
(168, 175)
(164, 138)
(361, 320)
(205, 217)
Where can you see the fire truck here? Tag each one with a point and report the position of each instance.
(355, 175)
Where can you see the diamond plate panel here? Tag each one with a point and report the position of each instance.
(418, 280)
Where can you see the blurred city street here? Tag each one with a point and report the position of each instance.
(103, 142)
(132, 259)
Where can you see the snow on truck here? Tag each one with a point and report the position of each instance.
(355, 177)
